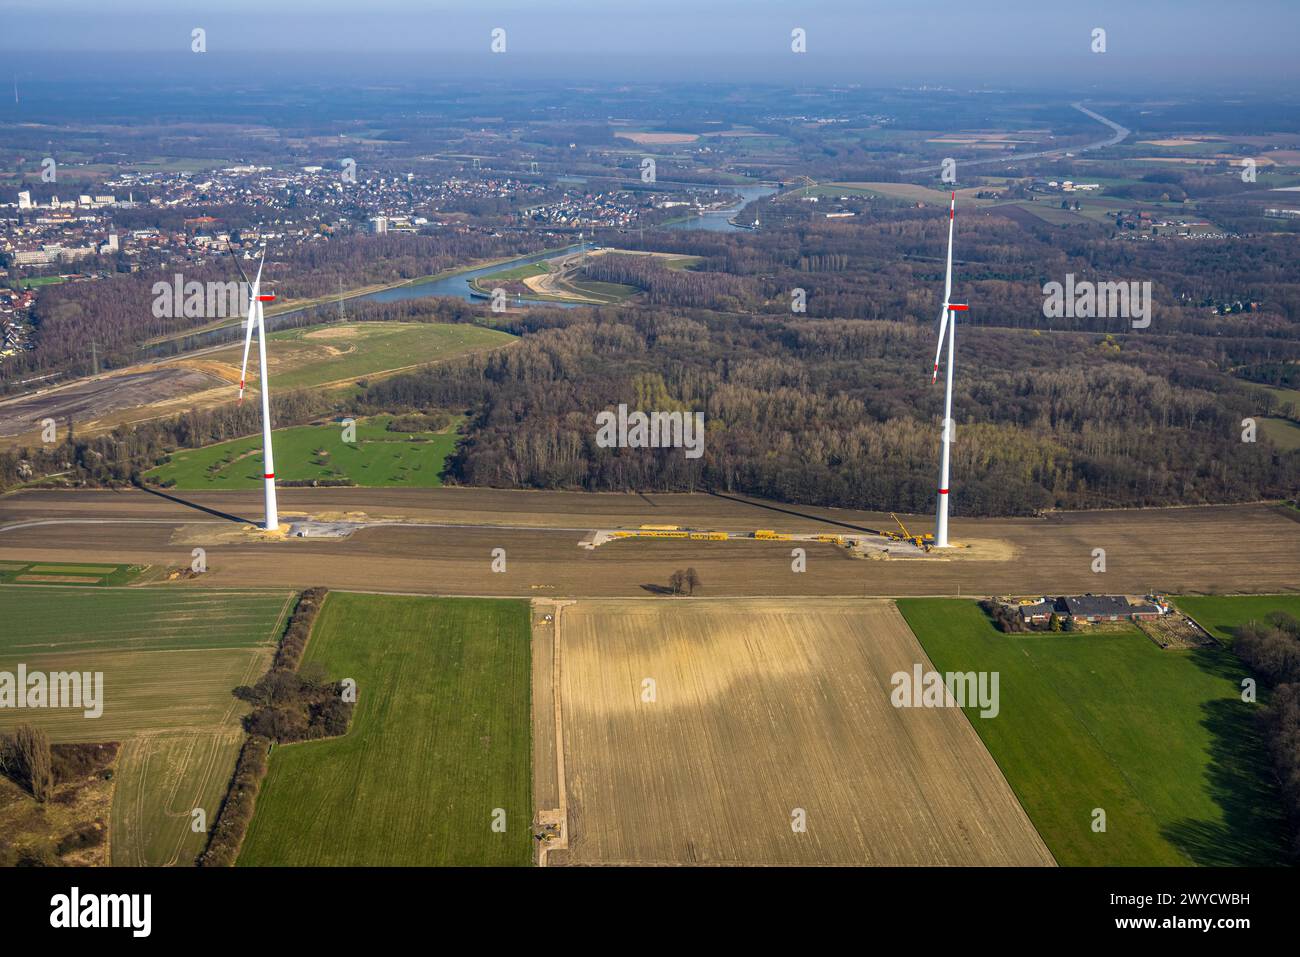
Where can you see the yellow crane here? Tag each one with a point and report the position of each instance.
(920, 541)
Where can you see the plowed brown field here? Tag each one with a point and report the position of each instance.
(762, 707)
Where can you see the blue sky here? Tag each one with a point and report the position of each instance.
(1170, 42)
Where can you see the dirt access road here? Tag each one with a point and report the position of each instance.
(446, 544)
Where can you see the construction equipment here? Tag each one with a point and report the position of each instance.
(925, 542)
(767, 535)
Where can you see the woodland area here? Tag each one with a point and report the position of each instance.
(842, 413)
(1271, 649)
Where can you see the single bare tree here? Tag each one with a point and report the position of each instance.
(27, 759)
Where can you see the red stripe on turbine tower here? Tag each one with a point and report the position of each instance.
(269, 475)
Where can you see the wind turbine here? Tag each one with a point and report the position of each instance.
(255, 316)
(946, 325)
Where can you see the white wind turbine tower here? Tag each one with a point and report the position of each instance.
(264, 386)
(947, 324)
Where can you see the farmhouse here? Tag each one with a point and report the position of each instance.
(1106, 608)
(1090, 608)
(1038, 613)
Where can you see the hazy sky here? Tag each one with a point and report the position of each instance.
(1168, 43)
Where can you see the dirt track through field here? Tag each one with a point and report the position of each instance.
(1248, 548)
(762, 709)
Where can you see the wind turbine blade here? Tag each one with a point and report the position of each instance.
(947, 276)
(943, 328)
(253, 306)
(947, 287)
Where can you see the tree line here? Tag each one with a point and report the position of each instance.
(1271, 649)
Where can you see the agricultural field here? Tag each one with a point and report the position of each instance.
(1160, 740)
(306, 453)
(1221, 615)
(170, 659)
(1283, 433)
(343, 352)
(440, 739)
(760, 710)
(161, 779)
(137, 619)
(55, 573)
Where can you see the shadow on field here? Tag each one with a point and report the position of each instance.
(195, 505)
(1239, 780)
(789, 511)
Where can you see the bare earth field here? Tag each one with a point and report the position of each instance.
(93, 400)
(760, 708)
(447, 546)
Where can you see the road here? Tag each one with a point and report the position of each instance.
(1118, 135)
(446, 539)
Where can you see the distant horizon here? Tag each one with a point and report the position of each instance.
(36, 68)
(1162, 45)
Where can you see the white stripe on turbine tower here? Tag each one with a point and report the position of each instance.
(947, 324)
(255, 315)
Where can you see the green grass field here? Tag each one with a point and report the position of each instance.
(303, 453)
(1222, 615)
(169, 659)
(136, 619)
(1283, 433)
(1160, 740)
(440, 738)
(319, 355)
(36, 573)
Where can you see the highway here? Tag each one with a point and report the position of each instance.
(1118, 135)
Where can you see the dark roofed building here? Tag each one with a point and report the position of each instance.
(1037, 613)
(1106, 608)
(1096, 607)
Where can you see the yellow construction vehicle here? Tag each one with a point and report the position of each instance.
(920, 541)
